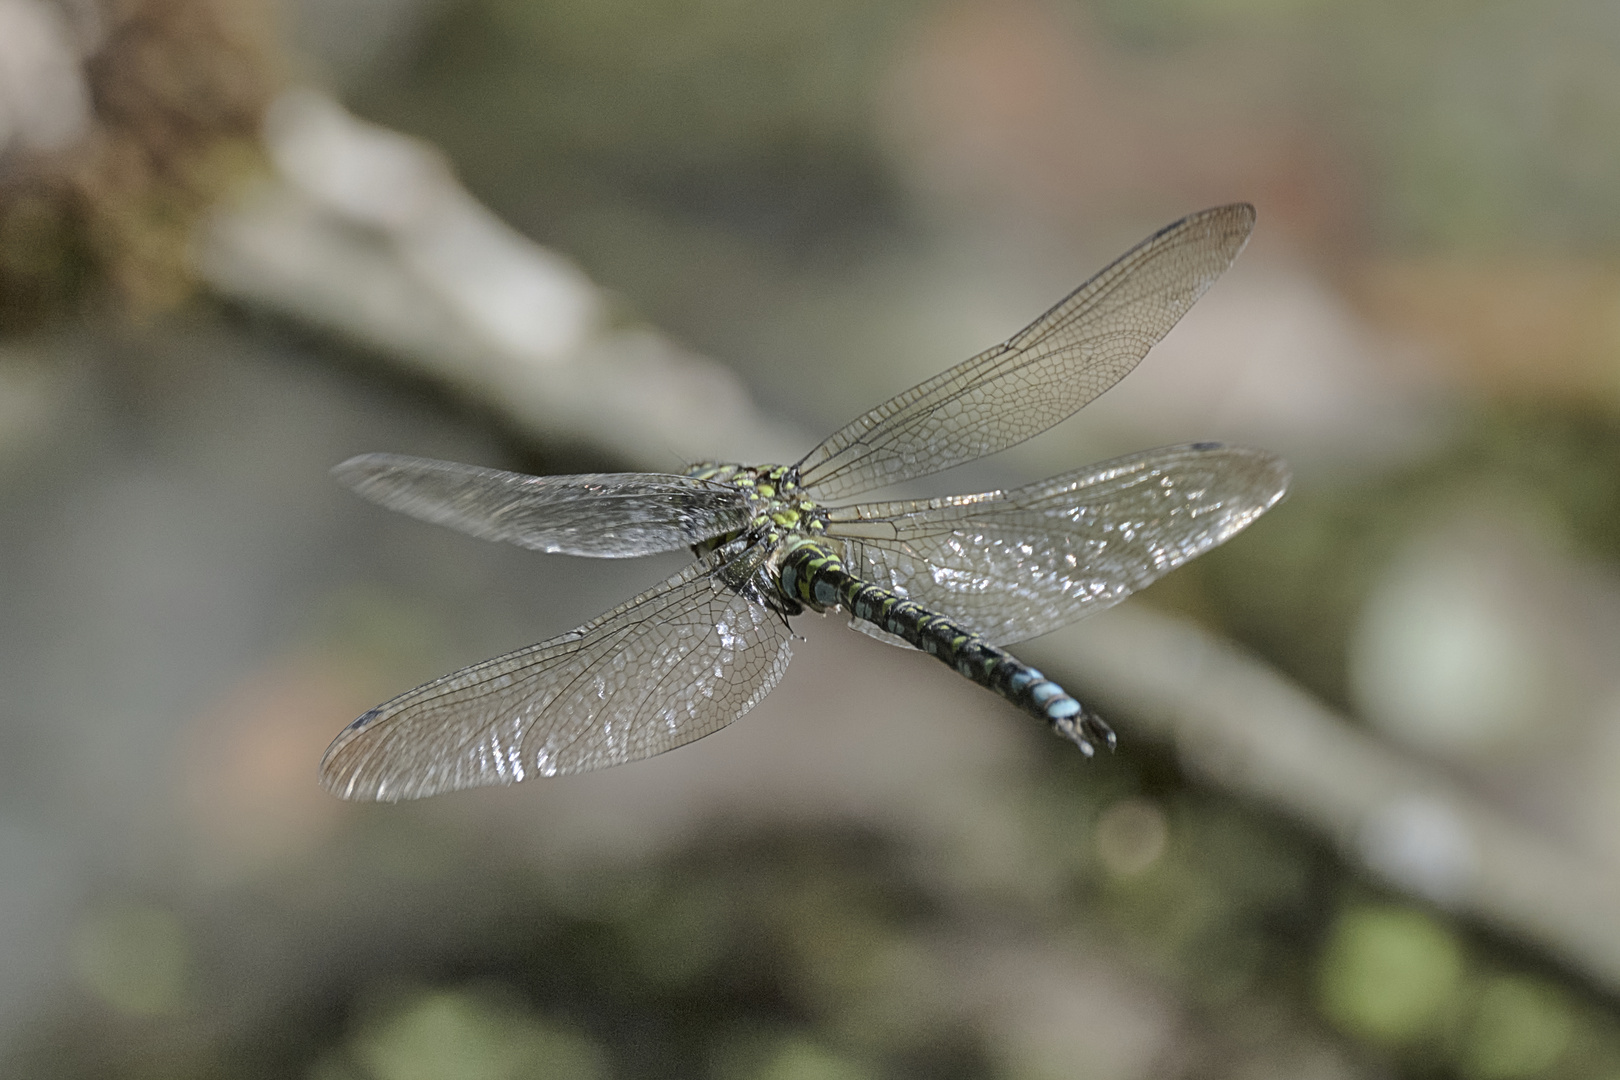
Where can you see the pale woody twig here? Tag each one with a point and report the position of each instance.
(1246, 728)
(366, 233)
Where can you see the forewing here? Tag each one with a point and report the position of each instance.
(1040, 376)
(675, 664)
(1015, 564)
(608, 515)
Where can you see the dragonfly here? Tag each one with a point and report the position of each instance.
(957, 577)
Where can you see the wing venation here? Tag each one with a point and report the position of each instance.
(1041, 375)
(1015, 564)
(676, 663)
(606, 515)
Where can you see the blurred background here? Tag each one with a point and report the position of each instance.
(1364, 820)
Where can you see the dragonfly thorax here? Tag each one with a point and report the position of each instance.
(779, 508)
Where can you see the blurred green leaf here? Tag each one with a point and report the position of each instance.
(1519, 1029)
(459, 1035)
(136, 958)
(1391, 975)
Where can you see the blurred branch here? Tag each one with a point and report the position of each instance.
(366, 233)
(1244, 727)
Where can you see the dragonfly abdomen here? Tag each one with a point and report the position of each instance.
(813, 574)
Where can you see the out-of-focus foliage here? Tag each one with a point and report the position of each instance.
(136, 958)
(1390, 976)
(1294, 589)
(437, 1034)
(176, 89)
(828, 952)
(1478, 125)
(624, 120)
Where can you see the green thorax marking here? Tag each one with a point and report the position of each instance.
(778, 507)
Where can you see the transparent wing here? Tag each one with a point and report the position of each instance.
(608, 515)
(1015, 564)
(1044, 373)
(677, 663)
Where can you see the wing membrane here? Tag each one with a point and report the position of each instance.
(678, 662)
(1040, 376)
(1015, 564)
(608, 515)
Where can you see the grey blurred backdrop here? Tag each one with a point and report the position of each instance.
(1364, 820)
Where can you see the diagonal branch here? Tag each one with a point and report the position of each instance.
(365, 233)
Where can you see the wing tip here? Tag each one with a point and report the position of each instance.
(1284, 476)
(1242, 213)
(1271, 464)
(1234, 221)
(354, 472)
(1265, 462)
(362, 472)
(361, 721)
(349, 783)
(343, 767)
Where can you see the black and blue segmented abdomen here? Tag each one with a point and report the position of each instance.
(813, 574)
